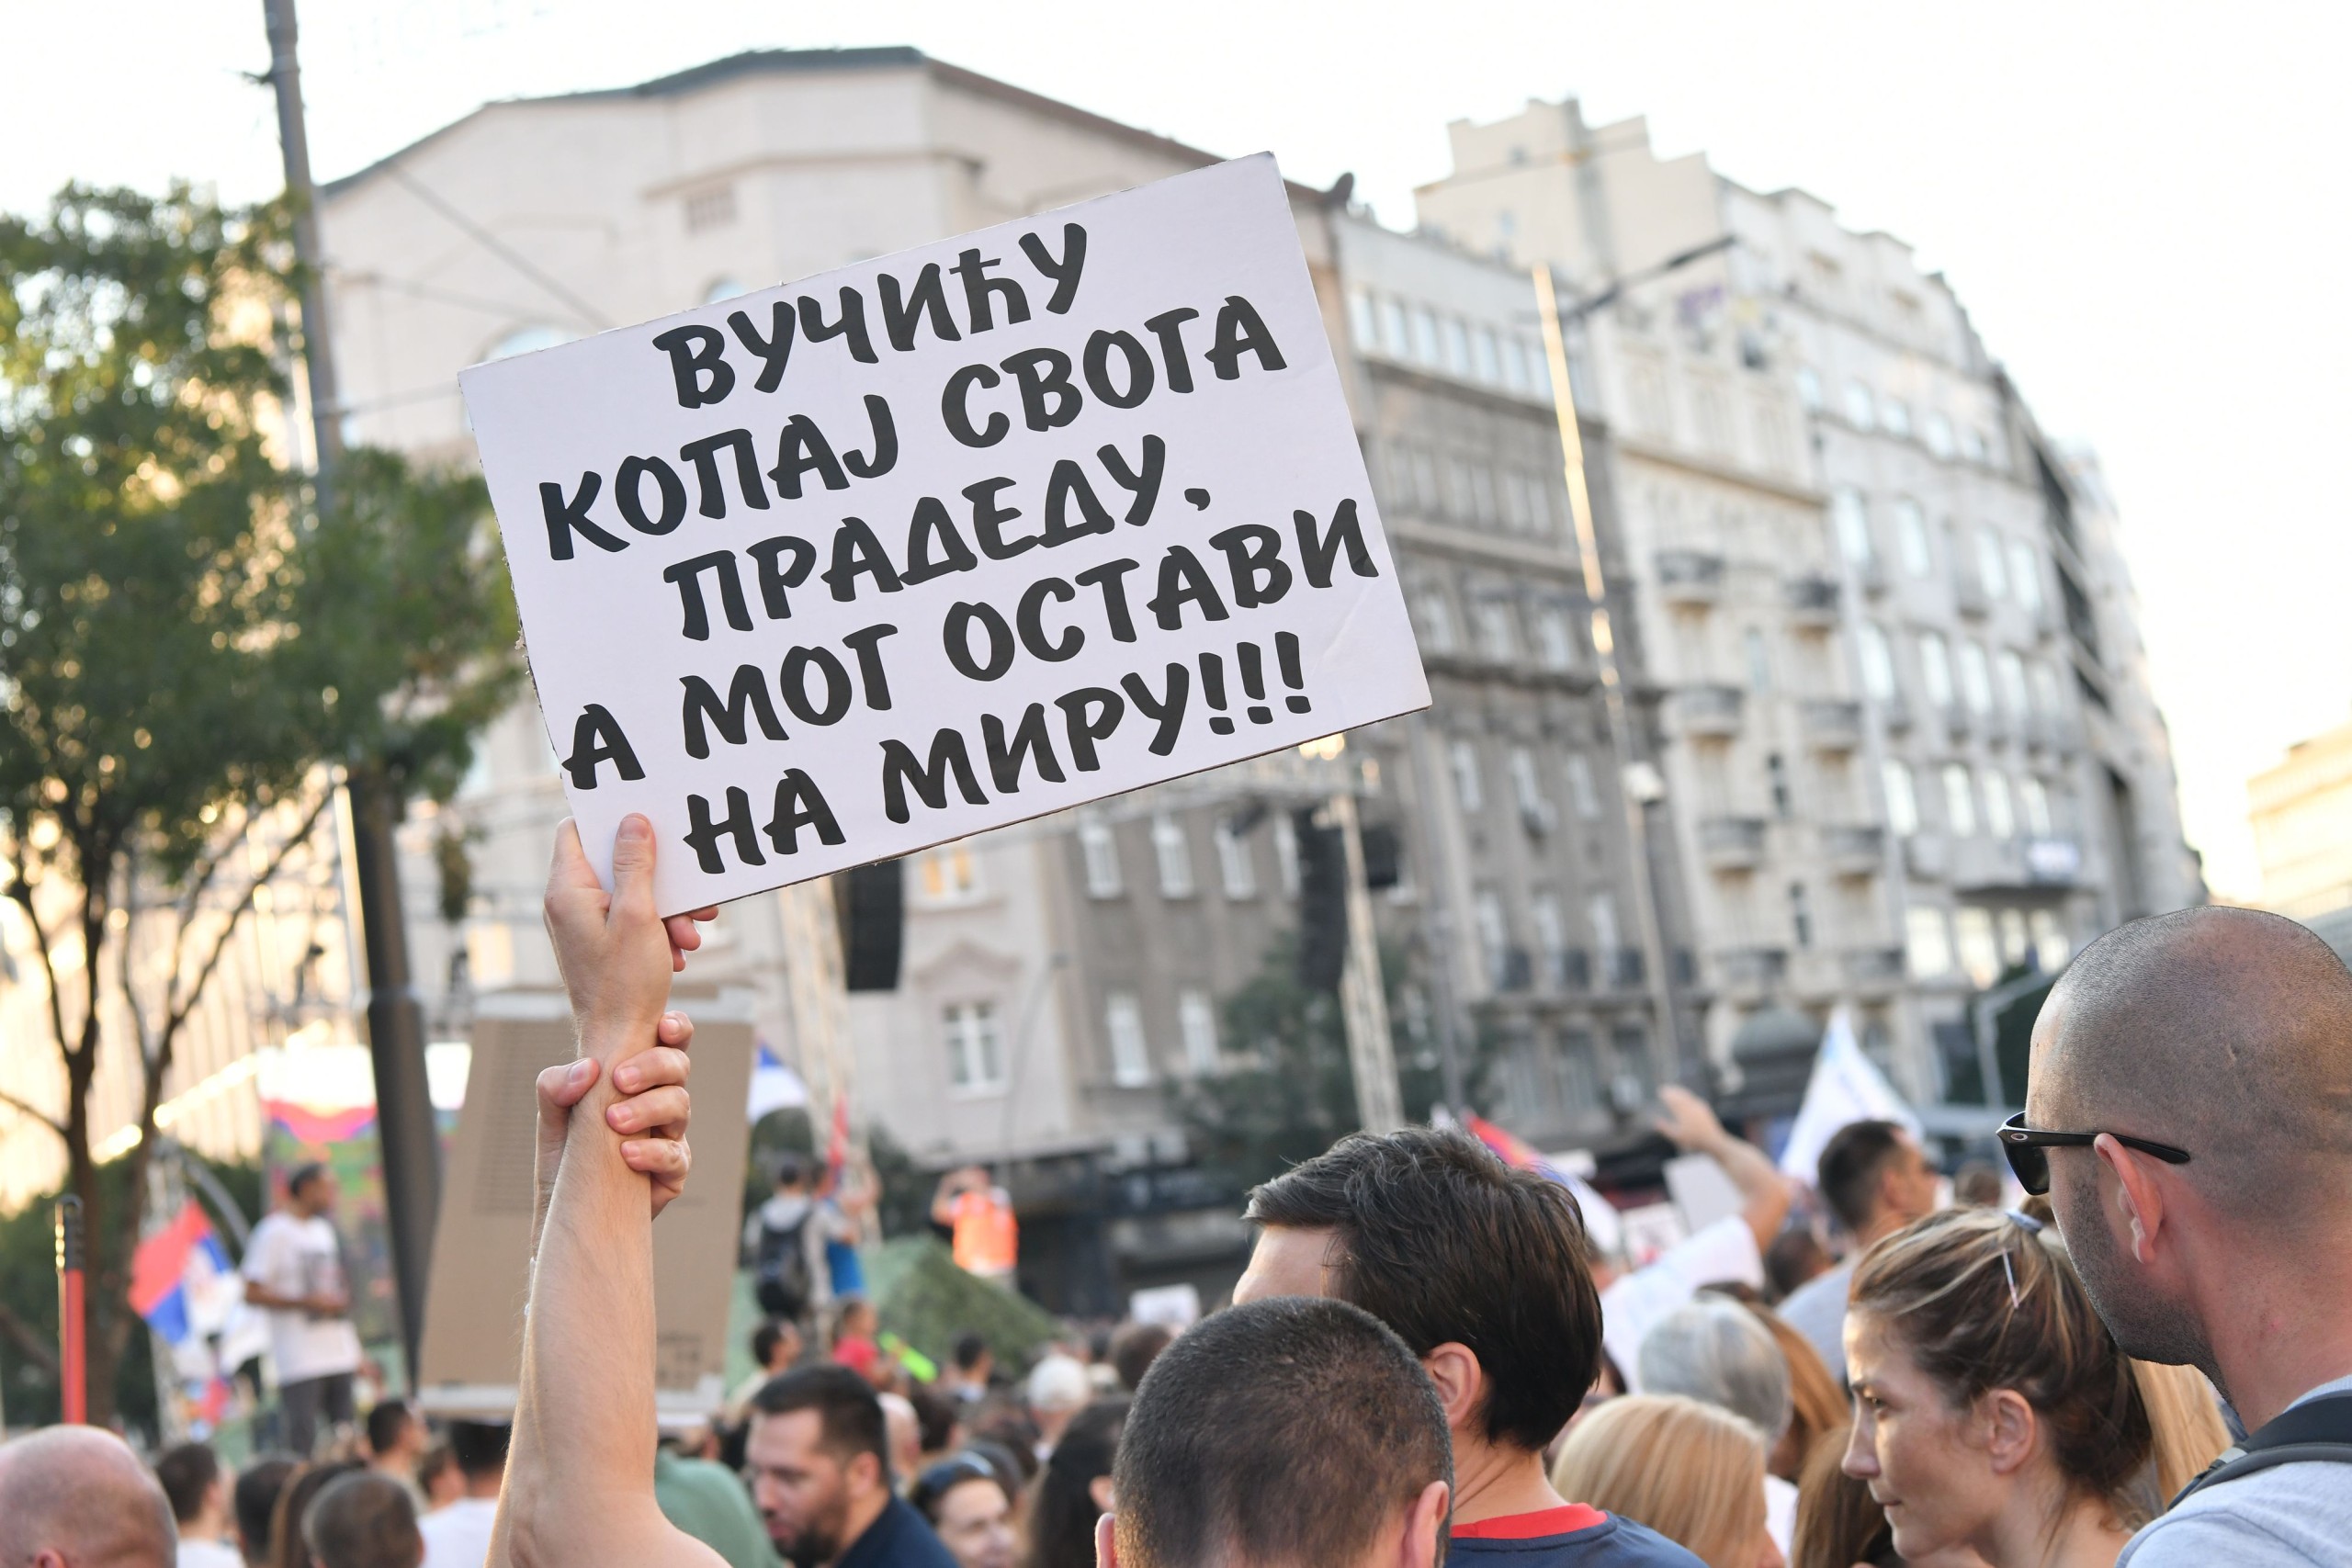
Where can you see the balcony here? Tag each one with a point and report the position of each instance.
(1968, 594)
(1750, 974)
(1693, 578)
(1958, 720)
(1709, 710)
(1995, 865)
(1811, 599)
(1873, 970)
(1895, 711)
(1832, 725)
(1854, 851)
(1927, 856)
(1872, 575)
(1731, 843)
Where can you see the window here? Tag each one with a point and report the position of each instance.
(1776, 774)
(1527, 788)
(1991, 565)
(1196, 1019)
(1759, 661)
(2050, 947)
(1130, 1055)
(1486, 357)
(1851, 519)
(1801, 914)
(1902, 800)
(1911, 536)
(1237, 867)
(1975, 678)
(1403, 494)
(1100, 847)
(1809, 388)
(948, 873)
(2025, 575)
(1286, 853)
(1458, 346)
(1494, 932)
(1860, 407)
(2046, 697)
(1896, 415)
(2033, 805)
(724, 287)
(1425, 482)
(1980, 950)
(1550, 934)
(1579, 1079)
(1364, 321)
(2000, 819)
(1393, 331)
(1496, 640)
(1425, 348)
(2010, 669)
(1960, 800)
(1972, 444)
(975, 1057)
(1581, 795)
(1926, 947)
(1535, 374)
(713, 209)
(1555, 637)
(1936, 429)
(1601, 910)
(2014, 943)
(1469, 789)
(1173, 849)
(1935, 669)
(1877, 661)
(1437, 619)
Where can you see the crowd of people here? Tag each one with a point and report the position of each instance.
(2140, 1354)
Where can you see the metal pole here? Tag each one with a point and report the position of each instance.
(404, 1130)
(1362, 1008)
(72, 1375)
(1604, 646)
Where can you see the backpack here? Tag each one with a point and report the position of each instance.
(780, 1267)
(2320, 1430)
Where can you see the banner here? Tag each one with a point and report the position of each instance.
(941, 541)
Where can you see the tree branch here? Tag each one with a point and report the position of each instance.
(20, 888)
(181, 1006)
(24, 1108)
(126, 970)
(208, 866)
(28, 1340)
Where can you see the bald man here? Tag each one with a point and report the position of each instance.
(76, 1497)
(2197, 1068)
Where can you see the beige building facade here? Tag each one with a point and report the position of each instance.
(2302, 812)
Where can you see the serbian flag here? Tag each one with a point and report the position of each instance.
(1600, 1217)
(176, 1276)
(1511, 1149)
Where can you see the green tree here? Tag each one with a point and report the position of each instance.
(184, 645)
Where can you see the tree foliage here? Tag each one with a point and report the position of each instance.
(184, 640)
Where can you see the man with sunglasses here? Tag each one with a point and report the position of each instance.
(2188, 1112)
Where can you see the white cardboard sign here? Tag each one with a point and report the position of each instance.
(947, 539)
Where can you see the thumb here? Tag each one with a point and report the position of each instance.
(633, 868)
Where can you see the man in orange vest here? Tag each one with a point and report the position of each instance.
(980, 1212)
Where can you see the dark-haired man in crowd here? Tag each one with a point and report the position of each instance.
(362, 1520)
(258, 1485)
(395, 1443)
(1287, 1433)
(1482, 1271)
(1876, 1179)
(192, 1479)
(293, 1269)
(458, 1536)
(2188, 1111)
(819, 1467)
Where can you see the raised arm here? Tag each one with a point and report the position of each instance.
(580, 1475)
(1764, 1194)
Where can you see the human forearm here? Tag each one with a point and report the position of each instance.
(1764, 1193)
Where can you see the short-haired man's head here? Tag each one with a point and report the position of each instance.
(791, 1170)
(78, 1495)
(970, 1350)
(1287, 1433)
(1133, 1348)
(771, 1337)
(363, 1520)
(300, 1180)
(480, 1446)
(849, 1415)
(388, 1425)
(255, 1500)
(187, 1471)
(1853, 1169)
(1444, 1243)
(2222, 1031)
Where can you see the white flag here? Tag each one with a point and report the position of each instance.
(1846, 1087)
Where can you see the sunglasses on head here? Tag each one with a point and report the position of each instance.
(2028, 1150)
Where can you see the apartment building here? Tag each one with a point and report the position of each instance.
(2301, 811)
(1059, 975)
(1912, 741)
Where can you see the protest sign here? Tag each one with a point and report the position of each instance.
(946, 539)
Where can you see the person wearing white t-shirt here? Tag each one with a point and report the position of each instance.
(293, 1268)
(458, 1535)
(198, 1488)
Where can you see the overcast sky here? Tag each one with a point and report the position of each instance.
(2141, 207)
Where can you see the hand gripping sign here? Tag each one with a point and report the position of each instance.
(947, 539)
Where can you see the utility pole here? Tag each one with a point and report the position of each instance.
(404, 1130)
(1363, 1008)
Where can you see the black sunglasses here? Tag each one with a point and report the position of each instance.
(2028, 1150)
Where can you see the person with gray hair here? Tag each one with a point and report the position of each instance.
(363, 1520)
(2188, 1113)
(76, 1495)
(1715, 1352)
